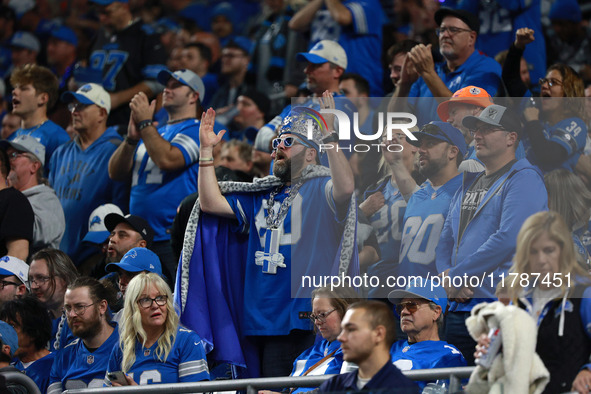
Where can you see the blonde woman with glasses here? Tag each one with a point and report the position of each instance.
(153, 347)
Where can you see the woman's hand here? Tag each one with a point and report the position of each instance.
(130, 382)
(531, 113)
(482, 346)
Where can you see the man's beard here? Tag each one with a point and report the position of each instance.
(88, 329)
(284, 170)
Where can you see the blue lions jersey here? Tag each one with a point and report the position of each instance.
(38, 371)
(425, 355)
(156, 194)
(186, 361)
(75, 367)
(310, 234)
(387, 221)
(571, 134)
(423, 221)
(81, 181)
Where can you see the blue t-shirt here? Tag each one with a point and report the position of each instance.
(38, 371)
(81, 181)
(186, 361)
(388, 220)
(425, 355)
(60, 336)
(155, 193)
(478, 70)
(49, 134)
(423, 221)
(310, 235)
(75, 367)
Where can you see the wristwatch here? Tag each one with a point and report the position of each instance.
(332, 137)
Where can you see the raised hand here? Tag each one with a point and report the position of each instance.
(207, 136)
(141, 107)
(523, 37)
(327, 102)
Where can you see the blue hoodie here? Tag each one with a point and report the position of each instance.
(488, 243)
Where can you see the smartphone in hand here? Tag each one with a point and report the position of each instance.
(117, 377)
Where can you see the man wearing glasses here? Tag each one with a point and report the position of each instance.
(78, 169)
(83, 362)
(421, 308)
(14, 274)
(27, 160)
(480, 231)
(441, 150)
(462, 66)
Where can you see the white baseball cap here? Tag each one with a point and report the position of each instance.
(13, 266)
(97, 232)
(89, 93)
(325, 51)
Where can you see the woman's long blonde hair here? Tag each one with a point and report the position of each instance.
(552, 224)
(130, 327)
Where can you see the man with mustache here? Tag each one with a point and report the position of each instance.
(421, 308)
(421, 77)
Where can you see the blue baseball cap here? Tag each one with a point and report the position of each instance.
(186, 77)
(567, 10)
(66, 34)
(240, 42)
(137, 260)
(442, 131)
(223, 9)
(420, 288)
(8, 337)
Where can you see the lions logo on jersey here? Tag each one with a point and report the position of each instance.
(90, 360)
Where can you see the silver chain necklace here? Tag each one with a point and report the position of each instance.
(275, 222)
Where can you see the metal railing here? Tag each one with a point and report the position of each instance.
(253, 385)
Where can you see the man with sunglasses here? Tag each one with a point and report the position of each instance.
(289, 226)
(441, 150)
(421, 308)
(480, 231)
(27, 159)
(14, 274)
(422, 79)
(83, 362)
(78, 171)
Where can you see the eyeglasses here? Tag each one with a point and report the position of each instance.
(38, 280)
(551, 81)
(451, 30)
(14, 155)
(321, 317)
(79, 310)
(410, 306)
(5, 283)
(147, 301)
(77, 107)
